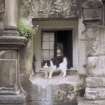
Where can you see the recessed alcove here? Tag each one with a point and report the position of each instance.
(63, 31)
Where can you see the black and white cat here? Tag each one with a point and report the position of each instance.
(54, 68)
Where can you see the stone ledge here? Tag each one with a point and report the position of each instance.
(12, 99)
(95, 93)
(83, 101)
(12, 41)
(95, 82)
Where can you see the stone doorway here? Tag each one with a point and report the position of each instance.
(52, 39)
(62, 30)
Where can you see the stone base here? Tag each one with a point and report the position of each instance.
(95, 93)
(95, 81)
(83, 101)
(12, 100)
(10, 31)
(95, 88)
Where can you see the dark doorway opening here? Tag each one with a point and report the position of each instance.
(65, 38)
(50, 42)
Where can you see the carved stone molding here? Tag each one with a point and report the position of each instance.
(50, 8)
(92, 11)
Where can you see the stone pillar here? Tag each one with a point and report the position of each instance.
(10, 17)
(95, 80)
(11, 92)
(95, 84)
(11, 13)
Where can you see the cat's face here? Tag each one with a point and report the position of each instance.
(59, 52)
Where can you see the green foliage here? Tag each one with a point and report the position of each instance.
(25, 29)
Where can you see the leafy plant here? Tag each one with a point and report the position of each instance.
(25, 28)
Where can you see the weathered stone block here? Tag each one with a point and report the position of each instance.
(8, 67)
(95, 93)
(97, 72)
(95, 40)
(54, 91)
(8, 54)
(91, 14)
(90, 102)
(12, 100)
(96, 66)
(95, 81)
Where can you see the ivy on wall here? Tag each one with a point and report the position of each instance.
(25, 28)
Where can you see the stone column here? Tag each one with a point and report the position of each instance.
(10, 44)
(11, 13)
(10, 17)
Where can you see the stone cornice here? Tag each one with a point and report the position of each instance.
(12, 42)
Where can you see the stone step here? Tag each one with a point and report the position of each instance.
(83, 101)
(95, 93)
(95, 82)
(12, 99)
(5, 92)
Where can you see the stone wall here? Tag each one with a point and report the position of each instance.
(91, 54)
(94, 92)
(26, 58)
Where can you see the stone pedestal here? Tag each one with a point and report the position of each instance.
(95, 82)
(11, 92)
